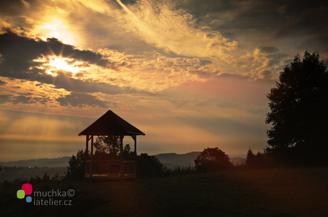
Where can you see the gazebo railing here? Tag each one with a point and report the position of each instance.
(111, 168)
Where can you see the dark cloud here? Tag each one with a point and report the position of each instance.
(18, 53)
(203, 8)
(128, 1)
(263, 15)
(4, 98)
(300, 23)
(2, 82)
(24, 99)
(9, 7)
(81, 99)
(267, 49)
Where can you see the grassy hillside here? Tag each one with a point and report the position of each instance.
(262, 193)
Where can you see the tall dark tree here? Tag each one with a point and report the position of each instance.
(299, 109)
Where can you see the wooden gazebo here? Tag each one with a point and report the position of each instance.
(113, 126)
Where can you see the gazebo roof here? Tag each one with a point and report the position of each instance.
(111, 124)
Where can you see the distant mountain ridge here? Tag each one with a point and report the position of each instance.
(174, 160)
(40, 162)
(170, 160)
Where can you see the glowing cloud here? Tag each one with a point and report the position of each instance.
(176, 31)
(56, 28)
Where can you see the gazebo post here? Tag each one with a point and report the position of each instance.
(121, 144)
(86, 145)
(91, 162)
(134, 137)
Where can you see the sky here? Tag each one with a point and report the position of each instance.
(190, 74)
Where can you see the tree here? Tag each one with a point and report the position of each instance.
(212, 159)
(149, 166)
(261, 160)
(299, 110)
(108, 147)
(76, 168)
(250, 158)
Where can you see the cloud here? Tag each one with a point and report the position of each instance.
(23, 99)
(4, 98)
(291, 25)
(143, 27)
(268, 49)
(152, 22)
(18, 55)
(9, 7)
(122, 73)
(81, 99)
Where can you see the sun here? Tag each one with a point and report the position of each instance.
(63, 64)
(52, 64)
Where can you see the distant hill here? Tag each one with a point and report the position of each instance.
(42, 162)
(173, 160)
(170, 160)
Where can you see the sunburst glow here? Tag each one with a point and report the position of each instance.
(53, 64)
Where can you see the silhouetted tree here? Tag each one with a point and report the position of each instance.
(299, 110)
(76, 166)
(149, 166)
(262, 160)
(250, 158)
(109, 147)
(212, 159)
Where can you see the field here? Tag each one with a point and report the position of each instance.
(242, 193)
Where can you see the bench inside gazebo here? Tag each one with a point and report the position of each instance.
(107, 166)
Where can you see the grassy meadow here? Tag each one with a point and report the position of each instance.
(238, 193)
